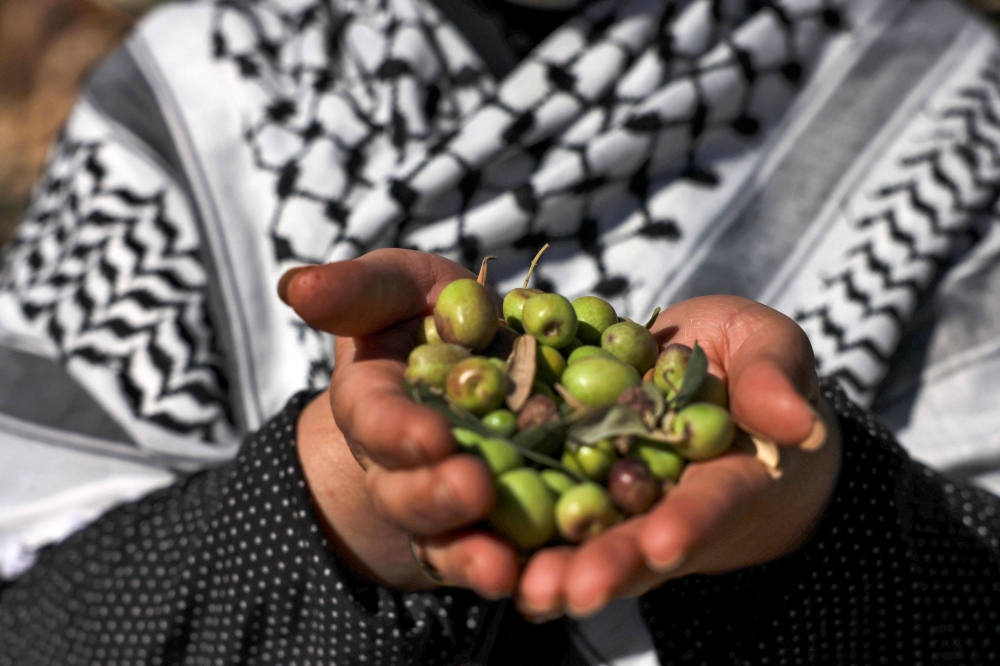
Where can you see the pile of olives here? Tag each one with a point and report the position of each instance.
(579, 416)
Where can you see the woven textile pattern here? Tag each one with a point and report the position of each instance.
(926, 205)
(106, 264)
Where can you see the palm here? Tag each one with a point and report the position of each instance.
(724, 514)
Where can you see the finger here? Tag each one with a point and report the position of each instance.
(370, 406)
(364, 295)
(764, 356)
(772, 380)
(539, 595)
(433, 499)
(688, 529)
(764, 400)
(477, 560)
(608, 567)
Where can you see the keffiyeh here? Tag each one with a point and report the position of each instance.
(830, 158)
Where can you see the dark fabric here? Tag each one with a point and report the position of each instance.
(230, 566)
(902, 570)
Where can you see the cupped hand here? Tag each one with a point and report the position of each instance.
(380, 466)
(727, 513)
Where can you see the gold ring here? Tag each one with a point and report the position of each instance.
(425, 567)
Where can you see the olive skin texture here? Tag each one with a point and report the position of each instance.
(498, 455)
(524, 508)
(477, 385)
(427, 333)
(465, 315)
(597, 381)
(586, 351)
(632, 344)
(501, 421)
(430, 364)
(513, 304)
(551, 319)
(708, 428)
(584, 511)
(632, 487)
(668, 373)
(595, 316)
(558, 482)
(663, 464)
(549, 364)
(593, 462)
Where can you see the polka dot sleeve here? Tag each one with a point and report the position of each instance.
(228, 567)
(902, 570)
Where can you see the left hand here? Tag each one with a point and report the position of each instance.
(726, 513)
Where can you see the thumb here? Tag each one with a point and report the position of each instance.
(364, 295)
(772, 383)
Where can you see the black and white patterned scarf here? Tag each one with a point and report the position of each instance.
(627, 140)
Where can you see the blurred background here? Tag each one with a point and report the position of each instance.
(46, 48)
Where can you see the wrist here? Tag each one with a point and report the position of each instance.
(361, 538)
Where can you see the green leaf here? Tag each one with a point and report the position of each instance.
(459, 417)
(617, 420)
(694, 375)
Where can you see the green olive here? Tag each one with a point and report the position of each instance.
(708, 428)
(597, 381)
(524, 508)
(584, 511)
(591, 461)
(502, 421)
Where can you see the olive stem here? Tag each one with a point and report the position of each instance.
(482, 269)
(652, 318)
(575, 404)
(534, 262)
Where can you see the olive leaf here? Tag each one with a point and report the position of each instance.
(458, 417)
(694, 375)
(652, 318)
(521, 369)
(617, 420)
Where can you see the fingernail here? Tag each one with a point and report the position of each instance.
(817, 435)
(668, 565)
(284, 281)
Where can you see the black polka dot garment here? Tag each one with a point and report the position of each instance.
(902, 570)
(230, 567)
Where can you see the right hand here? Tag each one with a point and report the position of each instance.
(378, 465)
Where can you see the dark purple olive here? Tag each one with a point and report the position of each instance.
(632, 486)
